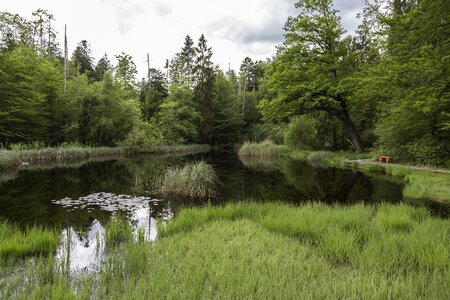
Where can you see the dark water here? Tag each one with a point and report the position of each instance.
(78, 198)
(26, 197)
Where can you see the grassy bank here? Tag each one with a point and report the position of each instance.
(420, 182)
(183, 149)
(10, 159)
(270, 251)
(14, 158)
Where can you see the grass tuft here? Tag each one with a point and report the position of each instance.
(193, 180)
(264, 149)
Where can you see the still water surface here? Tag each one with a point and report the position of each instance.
(78, 198)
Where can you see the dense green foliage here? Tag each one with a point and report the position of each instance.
(388, 84)
(104, 104)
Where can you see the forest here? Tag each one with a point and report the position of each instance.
(384, 88)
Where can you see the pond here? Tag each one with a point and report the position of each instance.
(78, 198)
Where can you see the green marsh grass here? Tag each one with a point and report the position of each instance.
(264, 149)
(118, 230)
(271, 251)
(420, 183)
(183, 149)
(10, 159)
(17, 243)
(193, 180)
(14, 158)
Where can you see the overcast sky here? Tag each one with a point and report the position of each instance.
(234, 28)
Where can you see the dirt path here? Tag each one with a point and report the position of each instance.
(418, 168)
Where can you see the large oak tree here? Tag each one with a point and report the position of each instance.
(310, 70)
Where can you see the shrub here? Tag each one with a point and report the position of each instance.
(301, 133)
(145, 137)
(273, 132)
(425, 150)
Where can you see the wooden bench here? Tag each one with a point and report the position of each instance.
(385, 159)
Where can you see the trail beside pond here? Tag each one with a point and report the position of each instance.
(417, 168)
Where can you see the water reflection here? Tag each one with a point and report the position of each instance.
(79, 253)
(82, 193)
(82, 252)
(82, 197)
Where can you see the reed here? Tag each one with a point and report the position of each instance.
(193, 180)
(264, 149)
(14, 158)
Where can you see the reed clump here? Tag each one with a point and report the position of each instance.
(266, 148)
(196, 180)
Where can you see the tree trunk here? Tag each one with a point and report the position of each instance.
(352, 131)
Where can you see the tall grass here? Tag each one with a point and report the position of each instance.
(183, 149)
(389, 239)
(420, 182)
(13, 158)
(264, 149)
(193, 180)
(16, 243)
(427, 185)
(118, 230)
(332, 158)
(270, 251)
(26, 155)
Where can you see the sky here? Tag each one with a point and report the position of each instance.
(234, 28)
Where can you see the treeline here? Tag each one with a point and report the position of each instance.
(101, 104)
(386, 87)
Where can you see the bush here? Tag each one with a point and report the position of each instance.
(267, 131)
(301, 133)
(425, 150)
(145, 137)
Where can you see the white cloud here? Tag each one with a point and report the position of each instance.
(234, 28)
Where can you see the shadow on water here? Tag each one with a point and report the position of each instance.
(78, 199)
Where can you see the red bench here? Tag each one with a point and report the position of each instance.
(385, 159)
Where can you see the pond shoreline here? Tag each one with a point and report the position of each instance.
(421, 182)
(13, 159)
